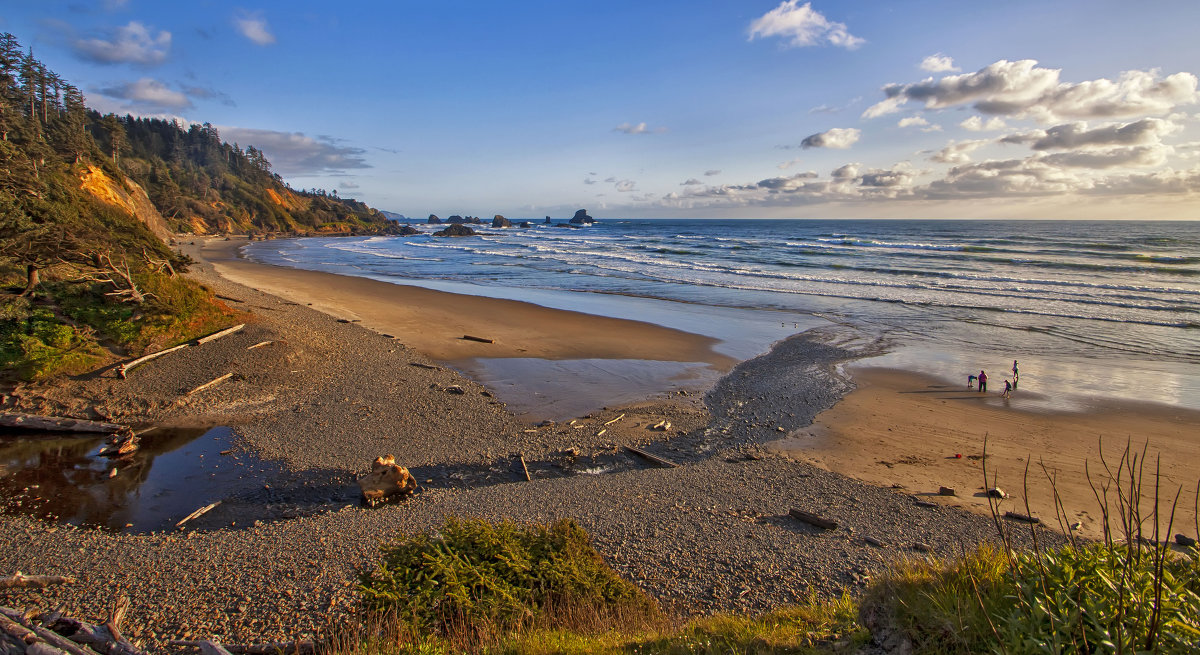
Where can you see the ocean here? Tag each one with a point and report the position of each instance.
(1092, 309)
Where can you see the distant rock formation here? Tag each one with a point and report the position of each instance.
(455, 230)
(406, 230)
(500, 221)
(547, 220)
(526, 224)
(582, 218)
(434, 220)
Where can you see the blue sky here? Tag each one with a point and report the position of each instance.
(706, 108)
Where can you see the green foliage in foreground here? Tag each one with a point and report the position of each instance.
(475, 580)
(505, 586)
(34, 344)
(1087, 599)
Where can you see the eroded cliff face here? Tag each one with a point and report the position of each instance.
(125, 195)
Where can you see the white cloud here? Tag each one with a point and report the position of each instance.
(640, 128)
(588, 180)
(957, 153)
(837, 138)
(691, 181)
(1140, 156)
(790, 163)
(1072, 136)
(294, 153)
(253, 26)
(149, 93)
(712, 172)
(802, 26)
(918, 121)
(625, 186)
(1023, 89)
(939, 63)
(977, 124)
(132, 44)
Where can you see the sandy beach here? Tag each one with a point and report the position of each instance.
(434, 322)
(328, 395)
(898, 428)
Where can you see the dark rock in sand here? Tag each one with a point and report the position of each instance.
(455, 230)
(500, 221)
(581, 218)
(434, 220)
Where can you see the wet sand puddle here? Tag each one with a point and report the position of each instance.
(63, 478)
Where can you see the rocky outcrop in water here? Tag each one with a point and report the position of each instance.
(581, 218)
(406, 230)
(434, 220)
(455, 230)
(500, 221)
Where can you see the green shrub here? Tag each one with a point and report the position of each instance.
(486, 579)
(35, 344)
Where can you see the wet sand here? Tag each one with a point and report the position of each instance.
(906, 429)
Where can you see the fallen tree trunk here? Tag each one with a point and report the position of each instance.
(58, 424)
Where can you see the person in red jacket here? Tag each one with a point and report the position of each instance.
(982, 382)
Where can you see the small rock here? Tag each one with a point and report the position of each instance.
(996, 492)
(946, 491)
(1184, 540)
(924, 548)
(455, 389)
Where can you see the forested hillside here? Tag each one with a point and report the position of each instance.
(88, 205)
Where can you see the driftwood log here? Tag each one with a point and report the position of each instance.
(468, 337)
(123, 369)
(813, 519)
(665, 463)
(196, 514)
(127, 366)
(19, 581)
(211, 383)
(58, 424)
(302, 646)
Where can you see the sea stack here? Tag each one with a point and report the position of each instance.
(581, 218)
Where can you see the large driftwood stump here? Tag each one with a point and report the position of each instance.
(386, 481)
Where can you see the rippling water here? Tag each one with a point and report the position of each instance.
(1111, 307)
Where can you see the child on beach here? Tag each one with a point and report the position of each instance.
(971, 381)
(982, 382)
(1007, 390)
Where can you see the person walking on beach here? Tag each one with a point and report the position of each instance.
(1015, 374)
(1007, 390)
(982, 382)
